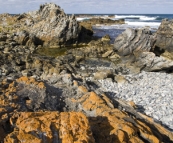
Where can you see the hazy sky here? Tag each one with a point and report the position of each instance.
(92, 6)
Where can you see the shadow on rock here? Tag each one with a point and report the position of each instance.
(101, 130)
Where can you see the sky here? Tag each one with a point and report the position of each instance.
(92, 6)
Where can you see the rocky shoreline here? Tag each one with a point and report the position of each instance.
(91, 91)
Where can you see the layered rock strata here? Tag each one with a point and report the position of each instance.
(133, 40)
(48, 26)
(163, 37)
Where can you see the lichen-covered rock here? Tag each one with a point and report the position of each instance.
(133, 40)
(103, 122)
(50, 127)
(109, 124)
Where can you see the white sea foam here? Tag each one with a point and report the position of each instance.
(147, 18)
(142, 24)
(127, 16)
(82, 18)
(141, 17)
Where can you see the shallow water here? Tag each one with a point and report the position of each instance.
(54, 52)
(113, 33)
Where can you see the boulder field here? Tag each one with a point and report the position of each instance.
(75, 96)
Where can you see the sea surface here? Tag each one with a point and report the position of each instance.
(131, 21)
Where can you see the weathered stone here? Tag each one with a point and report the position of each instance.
(163, 37)
(132, 41)
(50, 127)
(110, 124)
(106, 122)
(149, 62)
(48, 26)
(102, 74)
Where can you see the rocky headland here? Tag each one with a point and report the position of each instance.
(105, 21)
(89, 91)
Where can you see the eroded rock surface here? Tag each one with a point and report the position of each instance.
(103, 122)
(48, 26)
(133, 40)
(163, 36)
(50, 127)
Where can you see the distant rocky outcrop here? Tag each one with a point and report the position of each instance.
(94, 21)
(133, 40)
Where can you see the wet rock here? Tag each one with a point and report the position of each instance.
(86, 32)
(95, 48)
(108, 53)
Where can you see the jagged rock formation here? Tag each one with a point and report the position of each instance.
(47, 26)
(50, 23)
(163, 37)
(133, 40)
(147, 51)
(148, 61)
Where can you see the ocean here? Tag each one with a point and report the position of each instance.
(131, 21)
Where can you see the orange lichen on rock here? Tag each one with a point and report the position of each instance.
(158, 126)
(31, 81)
(82, 89)
(109, 124)
(75, 83)
(72, 127)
